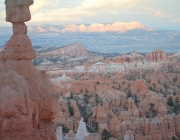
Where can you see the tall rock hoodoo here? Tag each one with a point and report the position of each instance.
(19, 46)
(157, 56)
(27, 99)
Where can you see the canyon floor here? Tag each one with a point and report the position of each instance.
(115, 92)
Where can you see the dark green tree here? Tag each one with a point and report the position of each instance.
(81, 90)
(129, 93)
(71, 111)
(176, 107)
(93, 128)
(71, 95)
(65, 129)
(152, 106)
(177, 100)
(128, 59)
(152, 113)
(170, 101)
(86, 98)
(96, 98)
(87, 91)
(136, 100)
(175, 79)
(97, 82)
(105, 135)
(174, 138)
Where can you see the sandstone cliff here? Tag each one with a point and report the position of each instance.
(98, 27)
(28, 102)
(95, 27)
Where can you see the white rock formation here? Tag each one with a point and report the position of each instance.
(82, 131)
(62, 82)
(59, 133)
(129, 135)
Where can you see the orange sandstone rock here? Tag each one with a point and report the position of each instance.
(157, 55)
(28, 102)
(114, 125)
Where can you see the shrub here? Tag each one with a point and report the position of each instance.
(152, 106)
(97, 82)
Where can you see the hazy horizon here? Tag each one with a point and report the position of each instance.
(162, 14)
(34, 24)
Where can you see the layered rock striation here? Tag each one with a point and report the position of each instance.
(163, 127)
(157, 56)
(98, 27)
(28, 102)
(95, 27)
(73, 50)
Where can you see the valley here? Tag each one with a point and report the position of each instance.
(116, 92)
(63, 80)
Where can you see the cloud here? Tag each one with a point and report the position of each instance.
(42, 10)
(159, 12)
(162, 14)
(2, 18)
(61, 15)
(98, 4)
(114, 13)
(41, 4)
(50, 11)
(177, 20)
(38, 5)
(2, 14)
(95, 4)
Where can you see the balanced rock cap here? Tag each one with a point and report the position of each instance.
(18, 10)
(19, 2)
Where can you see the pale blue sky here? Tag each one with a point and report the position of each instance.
(163, 14)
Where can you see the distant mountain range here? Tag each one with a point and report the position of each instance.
(96, 27)
(119, 37)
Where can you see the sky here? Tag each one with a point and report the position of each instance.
(159, 14)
